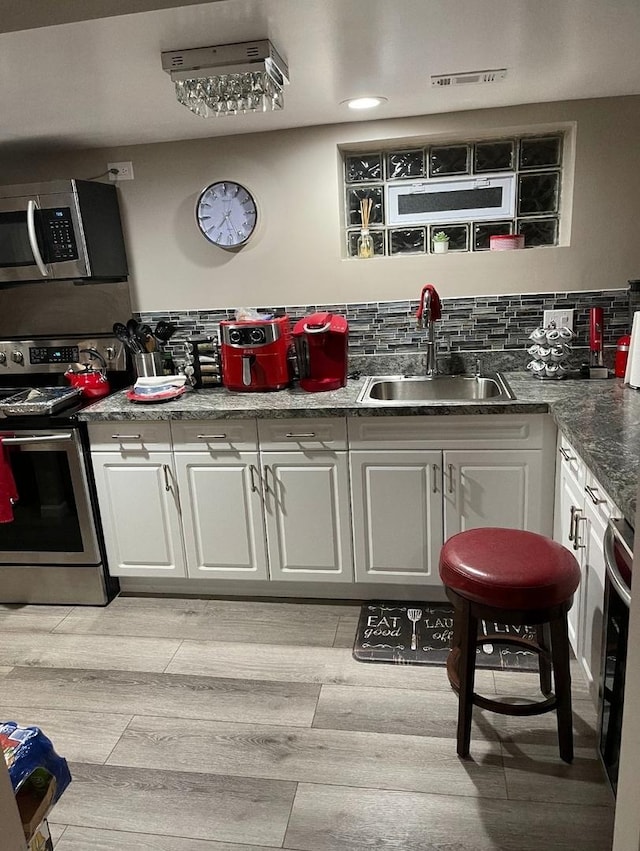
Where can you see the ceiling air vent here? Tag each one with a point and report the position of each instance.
(467, 77)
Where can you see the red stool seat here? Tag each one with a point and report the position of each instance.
(509, 568)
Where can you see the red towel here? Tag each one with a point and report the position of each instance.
(8, 490)
(436, 308)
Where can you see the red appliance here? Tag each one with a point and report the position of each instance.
(255, 354)
(622, 355)
(321, 345)
(596, 336)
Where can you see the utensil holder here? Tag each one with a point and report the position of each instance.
(149, 364)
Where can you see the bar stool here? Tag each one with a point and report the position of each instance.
(510, 577)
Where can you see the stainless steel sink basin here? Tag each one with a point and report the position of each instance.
(418, 390)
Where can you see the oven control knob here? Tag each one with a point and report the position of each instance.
(3, 357)
(110, 353)
(17, 356)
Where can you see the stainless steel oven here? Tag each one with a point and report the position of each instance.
(618, 553)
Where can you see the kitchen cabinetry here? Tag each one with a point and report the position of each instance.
(314, 499)
(412, 488)
(305, 477)
(582, 512)
(138, 498)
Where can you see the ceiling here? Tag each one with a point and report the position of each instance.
(82, 74)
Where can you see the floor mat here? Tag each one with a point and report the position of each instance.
(420, 634)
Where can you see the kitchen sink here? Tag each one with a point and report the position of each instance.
(417, 390)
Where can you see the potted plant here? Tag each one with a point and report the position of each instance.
(440, 242)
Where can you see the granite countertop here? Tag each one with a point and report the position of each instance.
(600, 418)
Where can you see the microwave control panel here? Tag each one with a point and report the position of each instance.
(59, 235)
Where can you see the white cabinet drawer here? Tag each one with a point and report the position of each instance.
(303, 433)
(571, 462)
(130, 436)
(214, 435)
(500, 431)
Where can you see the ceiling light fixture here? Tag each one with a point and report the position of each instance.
(228, 79)
(364, 103)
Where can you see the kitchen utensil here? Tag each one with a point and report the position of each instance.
(164, 331)
(122, 334)
(40, 400)
(414, 616)
(92, 383)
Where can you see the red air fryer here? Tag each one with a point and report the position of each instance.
(255, 354)
(321, 345)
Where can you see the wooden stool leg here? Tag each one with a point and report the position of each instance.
(468, 634)
(562, 677)
(544, 664)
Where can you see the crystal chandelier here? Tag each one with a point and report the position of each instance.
(228, 79)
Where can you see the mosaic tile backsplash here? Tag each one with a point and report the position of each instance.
(486, 324)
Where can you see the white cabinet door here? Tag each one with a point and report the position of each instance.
(397, 515)
(140, 513)
(222, 514)
(590, 536)
(308, 515)
(494, 488)
(571, 500)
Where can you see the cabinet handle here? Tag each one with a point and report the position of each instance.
(211, 436)
(267, 489)
(252, 473)
(435, 478)
(167, 482)
(450, 466)
(577, 518)
(300, 434)
(566, 455)
(126, 436)
(595, 499)
(572, 521)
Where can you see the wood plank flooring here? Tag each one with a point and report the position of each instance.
(200, 725)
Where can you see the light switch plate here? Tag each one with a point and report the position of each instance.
(563, 318)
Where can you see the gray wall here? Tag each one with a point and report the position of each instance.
(297, 255)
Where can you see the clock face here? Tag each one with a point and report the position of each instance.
(226, 214)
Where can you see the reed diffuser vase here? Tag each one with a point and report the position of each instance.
(365, 242)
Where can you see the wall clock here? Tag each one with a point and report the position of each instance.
(226, 213)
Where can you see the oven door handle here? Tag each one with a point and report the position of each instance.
(612, 535)
(36, 438)
(33, 239)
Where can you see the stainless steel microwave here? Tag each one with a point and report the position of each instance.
(61, 230)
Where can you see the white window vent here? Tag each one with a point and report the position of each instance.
(467, 77)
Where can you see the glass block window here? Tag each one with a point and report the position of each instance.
(417, 192)
(453, 159)
(407, 241)
(405, 164)
(458, 236)
(483, 231)
(363, 167)
(377, 236)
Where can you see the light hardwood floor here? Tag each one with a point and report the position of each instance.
(199, 725)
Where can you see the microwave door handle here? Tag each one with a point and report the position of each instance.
(33, 239)
(613, 572)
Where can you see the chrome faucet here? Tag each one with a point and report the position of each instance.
(426, 319)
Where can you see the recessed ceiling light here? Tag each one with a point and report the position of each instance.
(364, 103)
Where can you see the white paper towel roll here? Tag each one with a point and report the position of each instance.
(632, 372)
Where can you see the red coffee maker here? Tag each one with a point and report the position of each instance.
(321, 346)
(255, 354)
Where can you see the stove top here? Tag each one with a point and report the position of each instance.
(40, 363)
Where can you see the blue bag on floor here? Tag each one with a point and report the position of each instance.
(30, 755)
